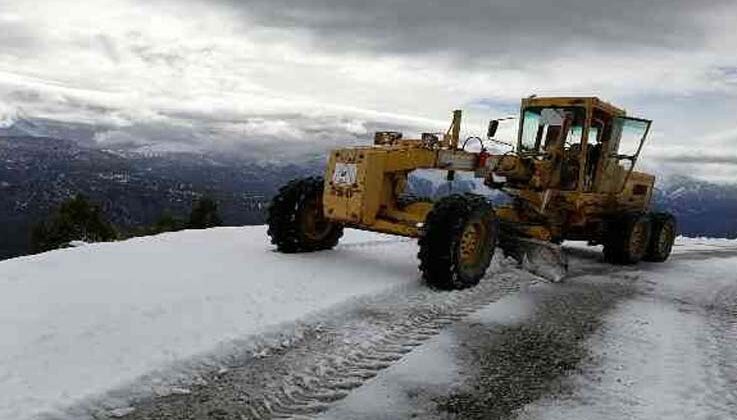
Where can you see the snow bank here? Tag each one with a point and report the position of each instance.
(81, 321)
(687, 242)
(681, 245)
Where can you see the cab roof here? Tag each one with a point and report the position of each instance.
(565, 101)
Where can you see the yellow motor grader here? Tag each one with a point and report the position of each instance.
(570, 176)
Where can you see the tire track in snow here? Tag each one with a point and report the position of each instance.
(722, 320)
(335, 356)
(353, 370)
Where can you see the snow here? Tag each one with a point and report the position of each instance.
(78, 322)
(405, 387)
(408, 388)
(682, 244)
(508, 311)
(678, 192)
(670, 353)
(107, 322)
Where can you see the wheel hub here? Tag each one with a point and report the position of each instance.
(314, 224)
(638, 239)
(666, 237)
(471, 243)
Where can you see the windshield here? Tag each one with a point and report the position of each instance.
(542, 128)
(629, 133)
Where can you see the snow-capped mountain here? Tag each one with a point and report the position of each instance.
(702, 208)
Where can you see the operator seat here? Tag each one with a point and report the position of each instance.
(592, 161)
(571, 166)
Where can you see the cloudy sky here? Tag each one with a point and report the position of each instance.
(217, 74)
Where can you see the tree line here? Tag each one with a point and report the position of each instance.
(78, 219)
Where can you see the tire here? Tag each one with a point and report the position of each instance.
(296, 220)
(662, 237)
(458, 242)
(627, 239)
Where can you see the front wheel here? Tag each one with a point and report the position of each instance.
(627, 239)
(296, 220)
(662, 237)
(458, 242)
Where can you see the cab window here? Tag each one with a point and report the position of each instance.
(628, 133)
(542, 128)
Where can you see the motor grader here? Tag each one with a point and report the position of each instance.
(570, 176)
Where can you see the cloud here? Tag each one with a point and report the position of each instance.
(287, 135)
(7, 116)
(273, 75)
(529, 29)
(699, 158)
(18, 36)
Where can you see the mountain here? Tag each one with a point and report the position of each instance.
(19, 124)
(701, 208)
(36, 174)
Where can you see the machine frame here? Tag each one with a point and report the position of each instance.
(369, 199)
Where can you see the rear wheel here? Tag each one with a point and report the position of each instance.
(662, 237)
(460, 235)
(627, 239)
(296, 220)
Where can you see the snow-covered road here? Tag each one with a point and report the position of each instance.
(668, 353)
(657, 341)
(214, 324)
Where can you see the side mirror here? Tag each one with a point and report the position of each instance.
(493, 125)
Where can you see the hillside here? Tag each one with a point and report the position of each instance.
(36, 174)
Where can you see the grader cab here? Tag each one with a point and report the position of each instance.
(570, 177)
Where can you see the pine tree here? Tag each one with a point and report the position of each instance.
(204, 214)
(168, 223)
(75, 219)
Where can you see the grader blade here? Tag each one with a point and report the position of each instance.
(541, 258)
